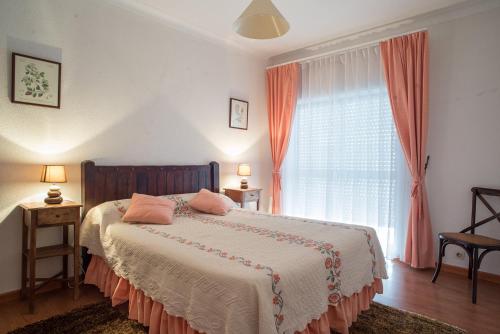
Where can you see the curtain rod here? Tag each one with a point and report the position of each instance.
(300, 60)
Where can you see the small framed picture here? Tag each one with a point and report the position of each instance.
(238, 114)
(36, 81)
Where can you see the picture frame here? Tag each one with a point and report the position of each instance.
(35, 81)
(238, 114)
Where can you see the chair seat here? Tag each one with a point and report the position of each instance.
(480, 241)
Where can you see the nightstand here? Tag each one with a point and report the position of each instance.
(41, 215)
(244, 196)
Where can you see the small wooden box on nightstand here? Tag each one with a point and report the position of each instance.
(40, 215)
(244, 196)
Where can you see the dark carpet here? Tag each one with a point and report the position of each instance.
(102, 318)
(384, 319)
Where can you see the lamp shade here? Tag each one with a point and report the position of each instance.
(53, 174)
(244, 170)
(261, 20)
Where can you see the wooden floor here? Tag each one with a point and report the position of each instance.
(15, 314)
(448, 300)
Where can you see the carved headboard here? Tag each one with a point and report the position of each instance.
(108, 183)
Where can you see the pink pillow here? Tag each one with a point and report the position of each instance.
(209, 202)
(150, 209)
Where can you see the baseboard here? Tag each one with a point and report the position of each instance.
(494, 278)
(10, 296)
(16, 294)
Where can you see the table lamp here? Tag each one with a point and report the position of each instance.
(244, 170)
(53, 174)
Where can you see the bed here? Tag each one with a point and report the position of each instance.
(245, 272)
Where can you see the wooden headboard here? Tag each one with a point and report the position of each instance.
(107, 183)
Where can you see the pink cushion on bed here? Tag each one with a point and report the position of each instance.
(149, 209)
(209, 202)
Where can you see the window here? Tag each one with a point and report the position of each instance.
(344, 162)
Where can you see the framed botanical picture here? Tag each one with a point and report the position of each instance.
(36, 81)
(238, 114)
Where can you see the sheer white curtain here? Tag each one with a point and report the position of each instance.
(344, 161)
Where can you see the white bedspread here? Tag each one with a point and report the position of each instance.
(245, 272)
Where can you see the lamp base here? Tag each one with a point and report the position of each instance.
(54, 195)
(53, 200)
(244, 184)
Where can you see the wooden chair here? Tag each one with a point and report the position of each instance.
(472, 242)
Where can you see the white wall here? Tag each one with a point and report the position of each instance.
(464, 124)
(464, 131)
(135, 90)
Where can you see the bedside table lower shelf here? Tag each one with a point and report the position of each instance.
(50, 251)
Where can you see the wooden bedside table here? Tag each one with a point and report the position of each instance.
(40, 215)
(244, 196)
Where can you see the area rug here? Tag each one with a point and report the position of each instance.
(102, 318)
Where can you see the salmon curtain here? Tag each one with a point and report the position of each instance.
(282, 87)
(406, 67)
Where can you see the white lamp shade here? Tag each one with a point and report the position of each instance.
(244, 170)
(261, 20)
(53, 174)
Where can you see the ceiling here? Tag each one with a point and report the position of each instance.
(311, 21)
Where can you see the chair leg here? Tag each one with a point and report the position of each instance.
(442, 245)
(471, 263)
(474, 275)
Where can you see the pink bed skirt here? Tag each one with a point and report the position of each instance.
(151, 313)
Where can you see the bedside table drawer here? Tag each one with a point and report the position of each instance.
(244, 196)
(235, 195)
(58, 216)
(249, 196)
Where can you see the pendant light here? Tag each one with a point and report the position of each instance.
(261, 20)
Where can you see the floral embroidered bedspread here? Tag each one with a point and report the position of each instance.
(245, 272)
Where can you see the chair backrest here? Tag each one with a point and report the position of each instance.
(478, 192)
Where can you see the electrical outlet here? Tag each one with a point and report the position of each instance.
(460, 255)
